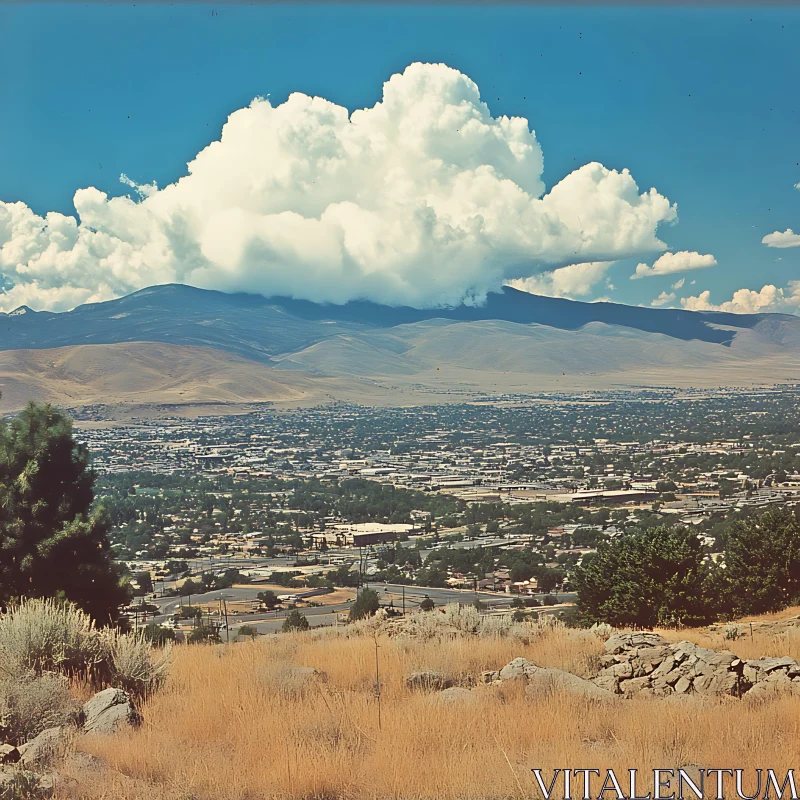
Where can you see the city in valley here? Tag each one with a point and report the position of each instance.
(234, 520)
(399, 401)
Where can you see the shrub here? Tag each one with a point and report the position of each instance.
(23, 785)
(47, 636)
(426, 605)
(732, 632)
(133, 664)
(295, 621)
(43, 637)
(31, 703)
(456, 620)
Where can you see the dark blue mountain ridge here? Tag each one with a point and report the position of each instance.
(261, 328)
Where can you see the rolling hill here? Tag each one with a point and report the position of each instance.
(181, 345)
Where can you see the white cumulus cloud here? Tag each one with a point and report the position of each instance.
(787, 238)
(663, 299)
(670, 263)
(769, 298)
(576, 280)
(424, 198)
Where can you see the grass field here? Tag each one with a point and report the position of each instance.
(235, 723)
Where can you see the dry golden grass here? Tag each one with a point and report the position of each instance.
(232, 725)
(758, 640)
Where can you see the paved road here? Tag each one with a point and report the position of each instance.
(389, 593)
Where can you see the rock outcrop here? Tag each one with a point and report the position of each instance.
(646, 664)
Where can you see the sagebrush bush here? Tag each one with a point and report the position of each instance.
(32, 703)
(132, 662)
(47, 636)
(44, 636)
(458, 620)
(23, 785)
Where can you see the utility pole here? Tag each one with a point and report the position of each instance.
(404, 599)
(377, 683)
(227, 627)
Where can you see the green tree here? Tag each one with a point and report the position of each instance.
(52, 544)
(295, 621)
(762, 563)
(268, 599)
(145, 582)
(203, 634)
(427, 604)
(365, 605)
(656, 576)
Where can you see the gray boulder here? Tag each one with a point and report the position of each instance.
(455, 694)
(516, 668)
(542, 680)
(109, 711)
(44, 748)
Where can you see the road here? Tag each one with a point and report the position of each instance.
(389, 593)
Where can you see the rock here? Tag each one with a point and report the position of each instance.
(489, 676)
(634, 685)
(769, 664)
(607, 682)
(427, 680)
(621, 642)
(109, 711)
(622, 670)
(516, 668)
(455, 694)
(45, 748)
(8, 754)
(541, 680)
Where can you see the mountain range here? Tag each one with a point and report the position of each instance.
(177, 344)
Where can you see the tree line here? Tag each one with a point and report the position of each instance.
(667, 576)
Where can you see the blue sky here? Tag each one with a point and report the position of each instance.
(701, 104)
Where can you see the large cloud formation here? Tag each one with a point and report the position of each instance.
(423, 199)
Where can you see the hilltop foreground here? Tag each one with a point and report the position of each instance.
(298, 716)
